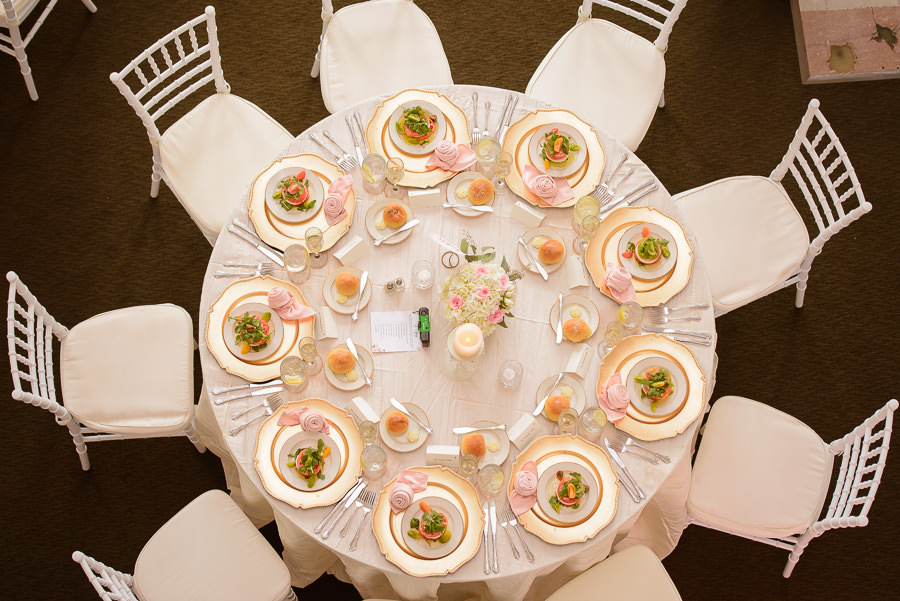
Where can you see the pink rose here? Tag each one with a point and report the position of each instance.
(545, 187)
(618, 280)
(456, 302)
(483, 292)
(614, 398)
(446, 152)
(482, 270)
(496, 316)
(401, 496)
(526, 483)
(504, 282)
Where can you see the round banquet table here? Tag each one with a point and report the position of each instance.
(416, 377)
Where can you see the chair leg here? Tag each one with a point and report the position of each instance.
(154, 183)
(801, 289)
(19, 49)
(662, 99)
(80, 446)
(89, 5)
(192, 436)
(315, 69)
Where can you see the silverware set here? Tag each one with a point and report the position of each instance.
(248, 387)
(271, 405)
(345, 161)
(630, 485)
(273, 401)
(365, 502)
(620, 446)
(509, 521)
(630, 442)
(604, 192)
(249, 393)
(630, 197)
(231, 269)
(327, 524)
(246, 234)
(358, 143)
(689, 336)
(664, 311)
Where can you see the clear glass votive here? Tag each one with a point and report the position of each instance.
(486, 154)
(368, 431)
(309, 352)
(490, 480)
(422, 274)
(296, 262)
(374, 462)
(510, 374)
(630, 315)
(468, 465)
(374, 173)
(612, 335)
(591, 424)
(294, 373)
(568, 421)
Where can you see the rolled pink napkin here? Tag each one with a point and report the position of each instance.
(618, 282)
(524, 493)
(333, 206)
(614, 398)
(308, 419)
(408, 483)
(451, 156)
(283, 303)
(551, 190)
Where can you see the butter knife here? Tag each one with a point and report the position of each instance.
(494, 537)
(250, 386)
(448, 205)
(532, 260)
(362, 367)
(362, 287)
(320, 525)
(559, 321)
(470, 429)
(409, 224)
(662, 330)
(259, 246)
(347, 503)
(402, 409)
(484, 538)
(244, 395)
(349, 121)
(540, 407)
(612, 453)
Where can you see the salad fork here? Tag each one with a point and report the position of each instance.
(659, 319)
(259, 269)
(476, 133)
(665, 311)
(357, 505)
(515, 525)
(270, 409)
(618, 445)
(504, 516)
(368, 499)
(274, 398)
(347, 161)
(630, 442)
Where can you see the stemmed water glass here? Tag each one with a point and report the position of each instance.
(315, 242)
(586, 229)
(309, 352)
(611, 337)
(501, 170)
(394, 175)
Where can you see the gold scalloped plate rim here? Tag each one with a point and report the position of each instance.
(351, 463)
(471, 511)
(635, 348)
(609, 484)
(253, 289)
(282, 234)
(605, 243)
(583, 181)
(416, 174)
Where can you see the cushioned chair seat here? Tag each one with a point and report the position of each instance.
(212, 154)
(750, 235)
(131, 371)
(759, 472)
(378, 47)
(605, 74)
(209, 551)
(634, 574)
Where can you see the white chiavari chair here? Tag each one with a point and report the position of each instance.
(13, 16)
(208, 156)
(608, 75)
(209, 551)
(127, 373)
(365, 50)
(764, 475)
(753, 238)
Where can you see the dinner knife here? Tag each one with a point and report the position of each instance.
(470, 429)
(337, 517)
(612, 453)
(484, 539)
(638, 193)
(627, 488)
(402, 408)
(250, 386)
(494, 537)
(244, 395)
(349, 121)
(559, 321)
(662, 330)
(337, 505)
(540, 407)
(362, 288)
(448, 205)
(362, 132)
(509, 98)
(259, 245)
(362, 367)
(508, 119)
(409, 224)
(532, 260)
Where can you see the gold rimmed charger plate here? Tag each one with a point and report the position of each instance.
(390, 531)
(604, 246)
(634, 349)
(253, 290)
(549, 451)
(416, 173)
(271, 437)
(518, 138)
(280, 233)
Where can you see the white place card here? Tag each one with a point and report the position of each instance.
(523, 432)
(352, 251)
(325, 325)
(443, 455)
(579, 361)
(360, 410)
(429, 197)
(576, 272)
(395, 331)
(526, 214)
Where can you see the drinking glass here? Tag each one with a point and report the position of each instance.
(510, 374)
(501, 170)
(294, 373)
(394, 175)
(490, 480)
(422, 274)
(568, 421)
(611, 337)
(315, 242)
(374, 462)
(368, 431)
(630, 315)
(591, 424)
(486, 154)
(468, 465)
(586, 230)
(296, 262)
(309, 352)
(374, 172)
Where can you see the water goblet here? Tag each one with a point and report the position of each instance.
(309, 352)
(394, 175)
(568, 421)
(374, 462)
(368, 432)
(374, 172)
(586, 230)
(294, 373)
(630, 315)
(296, 262)
(315, 242)
(591, 424)
(501, 170)
(612, 335)
(486, 154)
(490, 480)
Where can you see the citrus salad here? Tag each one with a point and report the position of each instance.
(557, 149)
(292, 192)
(309, 462)
(416, 125)
(431, 526)
(252, 332)
(649, 250)
(569, 492)
(656, 384)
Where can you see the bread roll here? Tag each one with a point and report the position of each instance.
(576, 330)
(473, 444)
(396, 422)
(346, 283)
(551, 251)
(340, 360)
(554, 406)
(394, 215)
(481, 191)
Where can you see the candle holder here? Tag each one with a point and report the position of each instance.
(462, 364)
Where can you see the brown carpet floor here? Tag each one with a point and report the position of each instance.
(81, 230)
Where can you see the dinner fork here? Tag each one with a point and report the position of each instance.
(272, 399)
(630, 442)
(270, 409)
(347, 161)
(368, 499)
(618, 445)
(659, 319)
(476, 133)
(504, 515)
(512, 522)
(357, 505)
(259, 269)
(664, 311)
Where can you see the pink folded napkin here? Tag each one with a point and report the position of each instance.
(524, 493)
(335, 198)
(451, 156)
(283, 303)
(308, 419)
(409, 482)
(552, 190)
(613, 398)
(618, 282)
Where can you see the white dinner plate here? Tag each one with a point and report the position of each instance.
(401, 143)
(454, 524)
(528, 237)
(373, 214)
(577, 158)
(302, 440)
(274, 323)
(341, 381)
(491, 437)
(671, 404)
(461, 182)
(575, 304)
(329, 292)
(316, 192)
(547, 483)
(577, 399)
(401, 442)
(647, 272)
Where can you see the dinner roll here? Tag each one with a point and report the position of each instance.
(551, 251)
(394, 215)
(396, 422)
(554, 406)
(473, 444)
(576, 330)
(341, 360)
(481, 191)
(346, 283)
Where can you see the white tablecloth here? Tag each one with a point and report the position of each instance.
(416, 377)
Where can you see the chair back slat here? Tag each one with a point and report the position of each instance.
(110, 584)
(167, 92)
(668, 11)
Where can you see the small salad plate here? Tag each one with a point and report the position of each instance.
(645, 405)
(401, 141)
(642, 271)
(316, 192)
(534, 238)
(548, 484)
(302, 440)
(412, 439)
(343, 381)
(255, 310)
(575, 306)
(433, 550)
(458, 193)
(565, 167)
(330, 293)
(493, 439)
(374, 218)
(567, 387)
